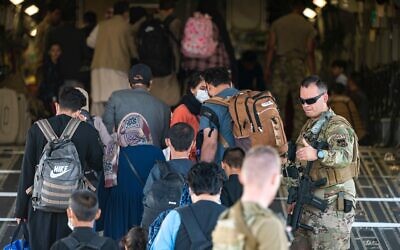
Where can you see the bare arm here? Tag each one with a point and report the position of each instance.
(210, 144)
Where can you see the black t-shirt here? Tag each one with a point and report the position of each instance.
(86, 235)
(231, 191)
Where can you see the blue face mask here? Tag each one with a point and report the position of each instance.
(202, 95)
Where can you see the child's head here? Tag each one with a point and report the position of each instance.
(232, 160)
(55, 52)
(338, 67)
(136, 239)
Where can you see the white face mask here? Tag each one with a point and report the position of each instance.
(202, 95)
(70, 224)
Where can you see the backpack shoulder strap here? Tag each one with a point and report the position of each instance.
(213, 118)
(70, 242)
(218, 100)
(70, 128)
(47, 130)
(163, 166)
(237, 213)
(192, 226)
(210, 115)
(96, 242)
(165, 170)
(135, 172)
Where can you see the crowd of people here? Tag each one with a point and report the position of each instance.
(165, 171)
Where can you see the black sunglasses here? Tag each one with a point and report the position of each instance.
(311, 100)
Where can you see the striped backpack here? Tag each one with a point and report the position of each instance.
(59, 172)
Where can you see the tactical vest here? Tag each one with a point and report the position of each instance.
(337, 175)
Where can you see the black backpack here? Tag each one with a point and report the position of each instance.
(155, 48)
(95, 243)
(164, 194)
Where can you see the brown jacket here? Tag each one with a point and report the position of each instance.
(114, 45)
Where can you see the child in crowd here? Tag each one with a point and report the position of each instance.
(232, 164)
(52, 79)
(135, 239)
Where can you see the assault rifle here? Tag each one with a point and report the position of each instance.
(303, 193)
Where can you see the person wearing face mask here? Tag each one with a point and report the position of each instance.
(188, 110)
(83, 210)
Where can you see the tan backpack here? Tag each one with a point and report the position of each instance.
(256, 119)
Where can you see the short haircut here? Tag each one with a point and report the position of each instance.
(314, 79)
(217, 76)
(167, 4)
(340, 64)
(84, 205)
(71, 99)
(259, 164)
(206, 178)
(90, 17)
(181, 136)
(55, 43)
(136, 13)
(121, 7)
(234, 157)
(135, 239)
(193, 80)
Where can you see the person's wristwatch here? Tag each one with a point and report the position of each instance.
(321, 154)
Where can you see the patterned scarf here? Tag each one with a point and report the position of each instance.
(133, 130)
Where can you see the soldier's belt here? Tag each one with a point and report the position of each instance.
(334, 175)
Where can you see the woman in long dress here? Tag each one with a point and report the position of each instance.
(121, 188)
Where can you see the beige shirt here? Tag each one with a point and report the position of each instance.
(265, 227)
(292, 33)
(268, 231)
(113, 44)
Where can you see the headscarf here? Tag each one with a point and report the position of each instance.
(133, 130)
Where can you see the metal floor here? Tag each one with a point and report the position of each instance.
(377, 223)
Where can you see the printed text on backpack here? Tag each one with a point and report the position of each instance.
(256, 119)
(59, 171)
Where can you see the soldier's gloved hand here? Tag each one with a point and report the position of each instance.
(307, 153)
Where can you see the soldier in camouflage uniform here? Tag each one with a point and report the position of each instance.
(291, 43)
(339, 164)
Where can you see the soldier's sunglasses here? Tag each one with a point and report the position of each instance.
(311, 100)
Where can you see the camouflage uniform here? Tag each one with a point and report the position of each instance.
(289, 71)
(332, 227)
(248, 226)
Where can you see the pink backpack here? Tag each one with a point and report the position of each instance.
(198, 39)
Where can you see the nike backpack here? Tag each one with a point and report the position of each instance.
(198, 38)
(59, 172)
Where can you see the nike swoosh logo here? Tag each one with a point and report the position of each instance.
(56, 175)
